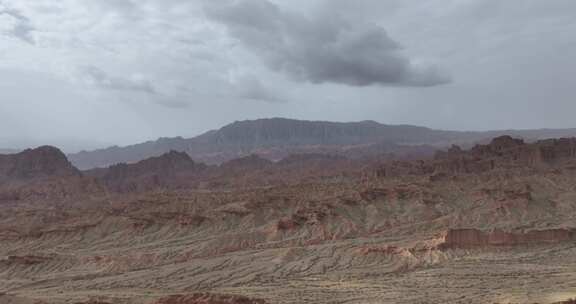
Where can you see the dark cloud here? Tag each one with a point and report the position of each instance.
(22, 28)
(322, 47)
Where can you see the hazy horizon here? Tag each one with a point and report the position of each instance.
(71, 146)
(90, 74)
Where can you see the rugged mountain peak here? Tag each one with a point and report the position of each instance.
(163, 170)
(167, 163)
(172, 159)
(41, 162)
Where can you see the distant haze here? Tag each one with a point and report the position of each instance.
(277, 138)
(84, 74)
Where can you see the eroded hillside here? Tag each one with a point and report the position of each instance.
(496, 224)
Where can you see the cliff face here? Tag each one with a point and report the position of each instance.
(285, 132)
(36, 163)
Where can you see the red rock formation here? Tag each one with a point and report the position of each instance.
(506, 149)
(42, 174)
(168, 170)
(471, 238)
(62, 189)
(502, 152)
(36, 163)
(206, 298)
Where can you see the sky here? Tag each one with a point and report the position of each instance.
(82, 74)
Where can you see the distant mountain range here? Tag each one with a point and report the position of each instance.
(276, 138)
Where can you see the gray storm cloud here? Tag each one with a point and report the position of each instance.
(179, 67)
(22, 28)
(321, 48)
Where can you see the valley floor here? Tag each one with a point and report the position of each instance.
(523, 275)
(359, 244)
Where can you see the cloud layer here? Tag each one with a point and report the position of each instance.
(321, 47)
(96, 77)
(187, 49)
(179, 67)
(20, 26)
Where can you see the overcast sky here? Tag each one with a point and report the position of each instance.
(91, 73)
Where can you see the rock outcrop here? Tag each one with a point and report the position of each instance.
(206, 298)
(504, 152)
(36, 163)
(474, 238)
(166, 171)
